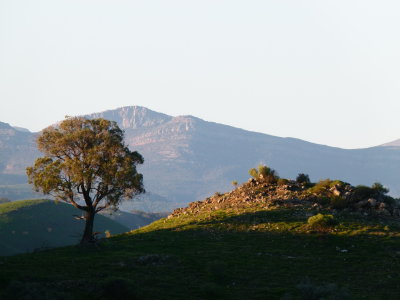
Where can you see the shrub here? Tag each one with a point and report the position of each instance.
(362, 192)
(303, 179)
(323, 187)
(264, 174)
(321, 221)
(234, 183)
(339, 202)
(379, 188)
(282, 181)
(253, 173)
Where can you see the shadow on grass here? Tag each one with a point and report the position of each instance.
(200, 260)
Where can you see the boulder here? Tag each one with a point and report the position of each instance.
(372, 202)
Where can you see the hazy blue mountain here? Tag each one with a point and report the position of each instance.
(187, 158)
(17, 150)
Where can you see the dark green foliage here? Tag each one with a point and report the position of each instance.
(379, 188)
(362, 192)
(303, 179)
(337, 202)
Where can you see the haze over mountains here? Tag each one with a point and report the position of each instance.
(187, 158)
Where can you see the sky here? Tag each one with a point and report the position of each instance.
(323, 71)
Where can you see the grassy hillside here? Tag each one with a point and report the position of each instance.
(32, 224)
(253, 243)
(133, 219)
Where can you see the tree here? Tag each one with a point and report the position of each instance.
(303, 179)
(86, 164)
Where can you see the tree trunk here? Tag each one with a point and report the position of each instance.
(88, 237)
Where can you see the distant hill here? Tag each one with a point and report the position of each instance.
(33, 224)
(187, 158)
(395, 143)
(133, 219)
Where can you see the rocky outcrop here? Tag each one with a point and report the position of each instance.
(258, 195)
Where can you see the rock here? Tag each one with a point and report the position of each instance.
(383, 205)
(361, 204)
(335, 190)
(372, 202)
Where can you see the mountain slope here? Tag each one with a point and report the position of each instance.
(395, 143)
(17, 150)
(187, 159)
(258, 244)
(32, 224)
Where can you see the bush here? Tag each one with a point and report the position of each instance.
(264, 174)
(234, 183)
(362, 192)
(321, 221)
(339, 202)
(303, 179)
(282, 181)
(253, 173)
(379, 188)
(323, 187)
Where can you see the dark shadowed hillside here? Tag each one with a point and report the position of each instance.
(34, 224)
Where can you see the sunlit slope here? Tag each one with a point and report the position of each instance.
(32, 224)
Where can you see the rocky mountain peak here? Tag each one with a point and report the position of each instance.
(133, 117)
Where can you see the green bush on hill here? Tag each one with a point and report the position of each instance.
(264, 174)
(321, 221)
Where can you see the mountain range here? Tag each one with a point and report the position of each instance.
(187, 159)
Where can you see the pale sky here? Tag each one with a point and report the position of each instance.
(326, 71)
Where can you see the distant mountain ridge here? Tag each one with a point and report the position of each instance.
(187, 159)
(395, 143)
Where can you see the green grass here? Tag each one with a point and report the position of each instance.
(252, 254)
(32, 224)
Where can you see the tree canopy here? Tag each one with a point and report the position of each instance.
(87, 164)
